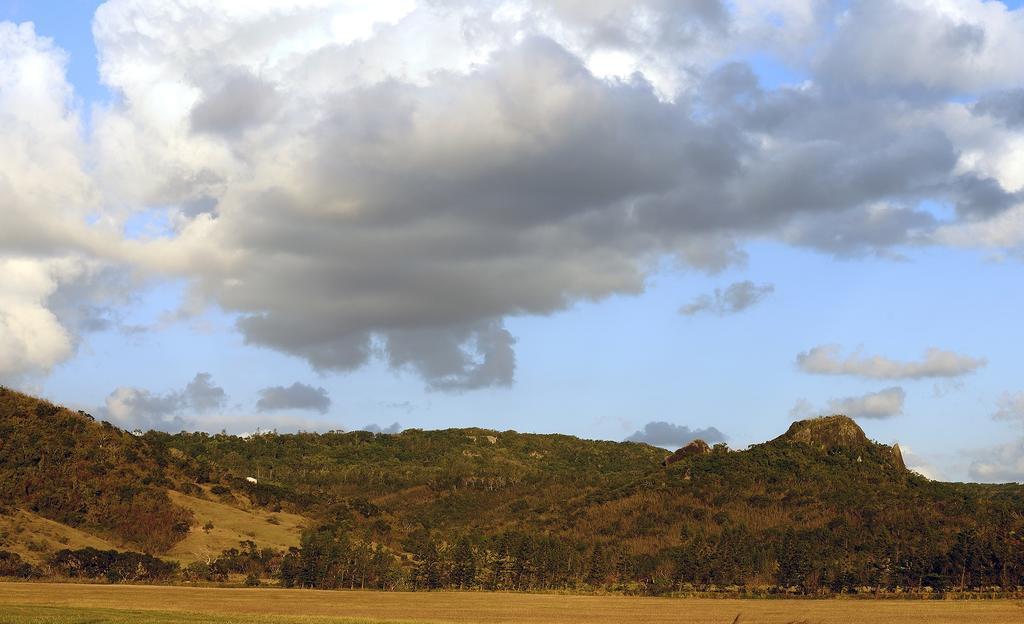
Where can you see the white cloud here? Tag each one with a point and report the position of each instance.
(919, 464)
(137, 408)
(828, 360)
(1003, 462)
(1004, 231)
(885, 403)
(933, 45)
(31, 337)
(1010, 407)
(44, 196)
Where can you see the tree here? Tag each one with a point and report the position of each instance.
(597, 571)
(794, 560)
(427, 574)
(463, 565)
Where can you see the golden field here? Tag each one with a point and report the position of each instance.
(231, 526)
(34, 538)
(53, 603)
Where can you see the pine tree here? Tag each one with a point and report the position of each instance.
(597, 572)
(464, 565)
(428, 568)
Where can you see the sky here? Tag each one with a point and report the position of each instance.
(652, 220)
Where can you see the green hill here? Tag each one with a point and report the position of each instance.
(819, 509)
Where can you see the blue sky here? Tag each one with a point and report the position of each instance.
(69, 24)
(605, 360)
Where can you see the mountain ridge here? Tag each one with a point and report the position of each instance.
(820, 507)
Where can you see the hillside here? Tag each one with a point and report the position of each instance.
(34, 538)
(220, 527)
(66, 467)
(821, 508)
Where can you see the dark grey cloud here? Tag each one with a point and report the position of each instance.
(670, 436)
(828, 360)
(875, 230)
(352, 201)
(203, 205)
(237, 101)
(736, 297)
(883, 404)
(441, 238)
(977, 196)
(91, 302)
(1007, 106)
(202, 395)
(456, 360)
(392, 428)
(297, 396)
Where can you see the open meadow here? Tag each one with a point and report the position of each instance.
(46, 603)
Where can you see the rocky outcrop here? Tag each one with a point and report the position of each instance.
(826, 432)
(897, 457)
(697, 447)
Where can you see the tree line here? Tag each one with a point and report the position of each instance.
(333, 557)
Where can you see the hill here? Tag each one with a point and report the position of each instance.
(66, 467)
(220, 527)
(821, 508)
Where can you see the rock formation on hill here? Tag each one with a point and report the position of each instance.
(897, 456)
(826, 432)
(837, 432)
(697, 447)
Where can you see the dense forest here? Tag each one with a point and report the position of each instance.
(819, 510)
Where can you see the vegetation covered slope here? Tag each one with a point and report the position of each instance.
(221, 526)
(450, 478)
(64, 466)
(820, 508)
(34, 538)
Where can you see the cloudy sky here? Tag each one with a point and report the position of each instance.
(644, 219)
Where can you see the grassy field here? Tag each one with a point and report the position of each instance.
(45, 603)
(230, 526)
(34, 537)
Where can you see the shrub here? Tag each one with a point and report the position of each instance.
(12, 565)
(117, 567)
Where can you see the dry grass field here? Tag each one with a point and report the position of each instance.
(230, 526)
(46, 603)
(33, 537)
